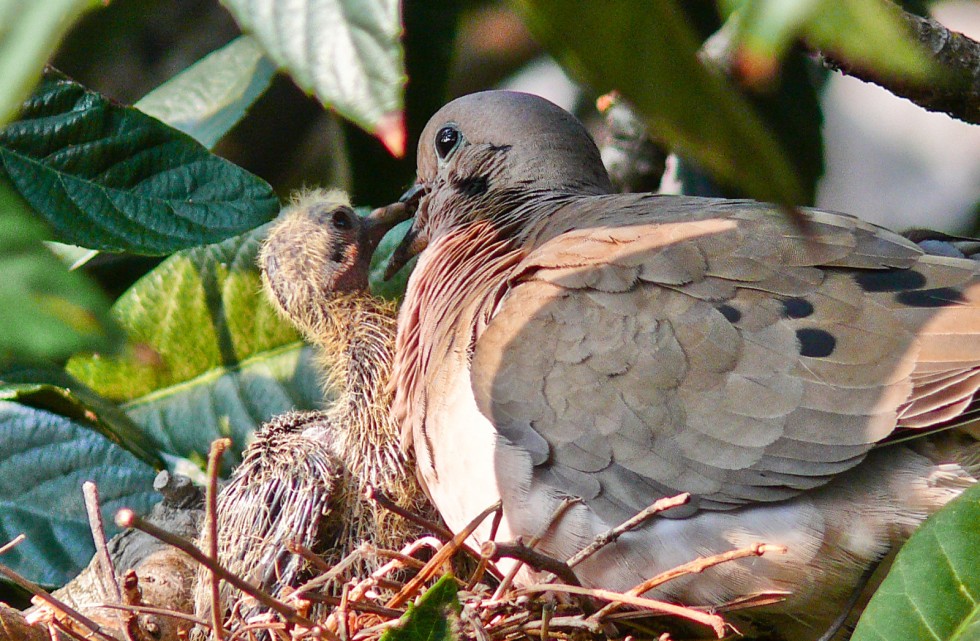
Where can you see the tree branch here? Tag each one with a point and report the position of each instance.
(958, 94)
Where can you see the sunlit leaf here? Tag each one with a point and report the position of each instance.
(209, 98)
(347, 52)
(208, 355)
(932, 591)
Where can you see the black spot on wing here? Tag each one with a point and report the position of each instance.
(938, 297)
(730, 313)
(472, 186)
(890, 280)
(816, 343)
(797, 308)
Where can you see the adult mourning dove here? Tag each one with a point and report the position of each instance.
(557, 341)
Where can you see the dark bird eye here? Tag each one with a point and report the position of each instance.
(341, 219)
(446, 140)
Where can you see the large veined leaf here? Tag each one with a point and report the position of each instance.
(209, 356)
(347, 52)
(44, 459)
(46, 312)
(112, 178)
(29, 33)
(933, 589)
(209, 98)
(648, 52)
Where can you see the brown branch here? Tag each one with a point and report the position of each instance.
(495, 551)
(218, 447)
(126, 518)
(958, 91)
(632, 523)
(55, 603)
(713, 621)
(374, 494)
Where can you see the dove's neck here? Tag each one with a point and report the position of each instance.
(455, 284)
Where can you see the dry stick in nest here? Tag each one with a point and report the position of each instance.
(126, 518)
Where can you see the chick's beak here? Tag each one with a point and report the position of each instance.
(415, 240)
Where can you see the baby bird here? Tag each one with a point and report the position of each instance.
(303, 477)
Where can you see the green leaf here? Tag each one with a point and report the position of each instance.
(393, 289)
(208, 355)
(46, 312)
(112, 178)
(29, 34)
(870, 34)
(866, 33)
(647, 51)
(432, 618)
(933, 589)
(209, 98)
(347, 52)
(44, 459)
(55, 391)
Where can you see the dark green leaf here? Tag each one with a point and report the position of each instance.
(46, 312)
(432, 618)
(44, 459)
(209, 98)
(29, 34)
(347, 52)
(395, 288)
(209, 357)
(112, 178)
(933, 589)
(647, 51)
(55, 391)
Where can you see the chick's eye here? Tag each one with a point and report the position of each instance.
(341, 219)
(446, 140)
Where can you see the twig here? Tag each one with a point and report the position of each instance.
(295, 547)
(218, 447)
(440, 557)
(711, 620)
(692, 567)
(405, 559)
(63, 629)
(52, 601)
(127, 518)
(633, 522)
(7, 547)
(555, 517)
(357, 606)
(494, 551)
(106, 569)
(147, 609)
(374, 494)
(329, 575)
(957, 92)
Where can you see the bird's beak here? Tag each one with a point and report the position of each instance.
(380, 221)
(414, 241)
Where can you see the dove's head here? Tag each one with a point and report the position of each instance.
(492, 156)
(319, 248)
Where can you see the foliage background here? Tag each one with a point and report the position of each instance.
(149, 351)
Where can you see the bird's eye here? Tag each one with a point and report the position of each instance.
(341, 219)
(447, 139)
